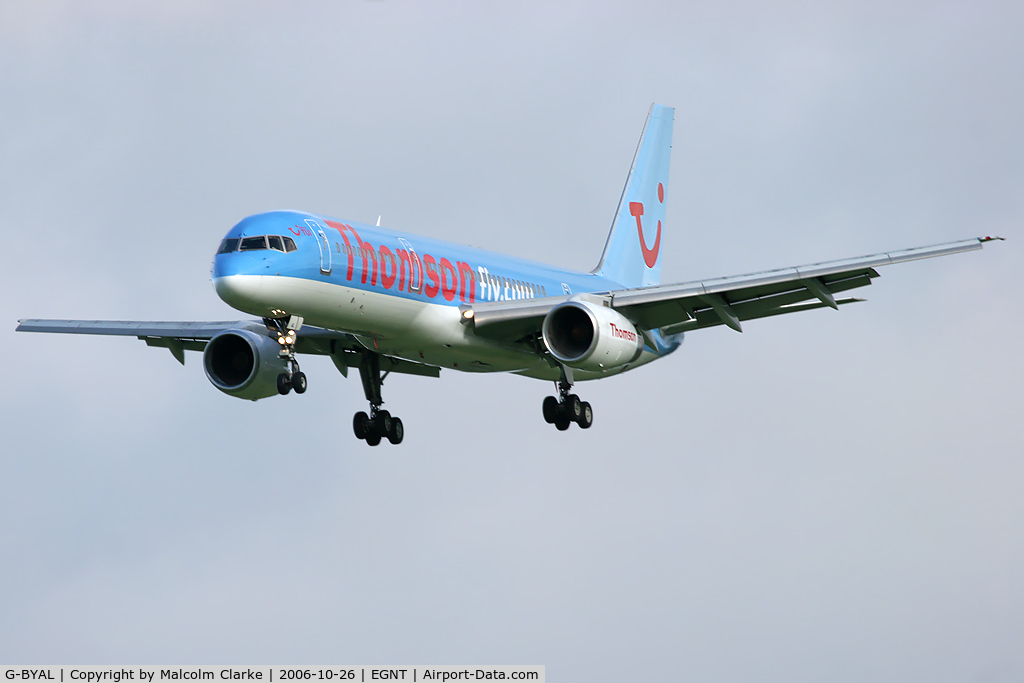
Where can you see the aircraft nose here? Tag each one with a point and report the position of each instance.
(239, 291)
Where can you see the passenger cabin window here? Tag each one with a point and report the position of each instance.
(228, 245)
(275, 242)
(253, 243)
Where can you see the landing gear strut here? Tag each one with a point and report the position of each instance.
(286, 329)
(379, 423)
(567, 408)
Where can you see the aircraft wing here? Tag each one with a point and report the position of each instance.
(343, 348)
(727, 301)
(176, 336)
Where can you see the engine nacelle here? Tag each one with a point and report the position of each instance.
(244, 363)
(590, 337)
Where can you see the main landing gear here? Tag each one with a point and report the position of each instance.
(567, 408)
(286, 334)
(296, 379)
(379, 423)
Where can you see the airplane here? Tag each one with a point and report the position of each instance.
(384, 301)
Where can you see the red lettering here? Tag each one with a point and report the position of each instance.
(369, 255)
(431, 270)
(404, 262)
(348, 246)
(409, 260)
(447, 267)
(622, 334)
(465, 268)
(366, 252)
(387, 279)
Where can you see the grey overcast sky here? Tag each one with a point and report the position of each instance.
(829, 496)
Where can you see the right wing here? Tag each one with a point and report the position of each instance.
(176, 336)
(343, 348)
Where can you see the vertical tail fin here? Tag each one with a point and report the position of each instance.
(631, 253)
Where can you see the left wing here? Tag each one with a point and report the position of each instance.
(727, 301)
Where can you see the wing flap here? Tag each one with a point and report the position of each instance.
(708, 318)
(353, 359)
(744, 302)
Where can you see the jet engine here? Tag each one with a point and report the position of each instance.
(244, 363)
(590, 337)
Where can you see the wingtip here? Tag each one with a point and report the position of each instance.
(990, 238)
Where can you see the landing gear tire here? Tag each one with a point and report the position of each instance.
(550, 409)
(586, 416)
(397, 431)
(284, 384)
(567, 408)
(379, 424)
(299, 382)
(382, 423)
(573, 407)
(361, 425)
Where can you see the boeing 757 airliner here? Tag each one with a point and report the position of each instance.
(384, 301)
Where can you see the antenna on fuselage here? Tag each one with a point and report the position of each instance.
(378, 221)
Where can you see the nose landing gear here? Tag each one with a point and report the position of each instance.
(379, 424)
(295, 379)
(567, 408)
(286, 329)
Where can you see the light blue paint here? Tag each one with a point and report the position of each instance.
(623, 260)
(630, 259)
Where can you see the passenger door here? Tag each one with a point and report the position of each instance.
(325, 246)
(415, 267)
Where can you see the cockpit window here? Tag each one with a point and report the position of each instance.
(228, 245)
(276, 242)
(253, 243)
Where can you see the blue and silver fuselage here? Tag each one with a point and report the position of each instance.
(399, 293)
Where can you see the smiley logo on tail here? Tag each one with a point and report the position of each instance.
(637, 209)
